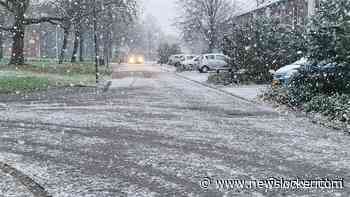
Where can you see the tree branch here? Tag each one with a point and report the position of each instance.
(2, 28)
(52, 20)
(6, 5)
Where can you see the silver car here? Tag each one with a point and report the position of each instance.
(213, 61)
(190, 61)
(175, 59)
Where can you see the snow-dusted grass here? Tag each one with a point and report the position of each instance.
(14, 84)
(52, 66)
(62, 69)
(40, 75)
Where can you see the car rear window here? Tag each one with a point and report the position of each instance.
(210, 57)
(220, 57)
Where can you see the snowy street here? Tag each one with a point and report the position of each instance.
(156, 134)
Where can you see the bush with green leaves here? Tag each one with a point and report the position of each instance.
(264, 44)
(326, 88)
(329, 42)
(329, 37)
(222, 78)
(337, 106)
(279, 95)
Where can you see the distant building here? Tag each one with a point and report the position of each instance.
(32, 44)
(291, 12)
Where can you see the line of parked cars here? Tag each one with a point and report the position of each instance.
(203, 63)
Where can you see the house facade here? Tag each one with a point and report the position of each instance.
(292, 12)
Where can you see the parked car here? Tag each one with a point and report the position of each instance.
(213, 61)
(329, 68)
(284, 75)
(175, 59)
(190, 61)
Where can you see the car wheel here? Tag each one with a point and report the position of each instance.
(205, 69)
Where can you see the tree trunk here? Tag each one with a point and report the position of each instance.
(1, 46)
(17, 54)
(75, 46)
(96, 42)
(64, 46)
(81, 47)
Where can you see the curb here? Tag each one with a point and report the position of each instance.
(36, 189)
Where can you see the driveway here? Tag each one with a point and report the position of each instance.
(156, 134)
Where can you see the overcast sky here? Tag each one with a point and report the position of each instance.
(164, 11)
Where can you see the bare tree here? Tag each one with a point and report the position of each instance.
(81, 14)
(1, 45)
(2, 21)
(259, 2)
(72, 12)
(204, 20)
(18, 9)
(77, 26)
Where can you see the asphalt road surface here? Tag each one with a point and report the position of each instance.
(156, 134)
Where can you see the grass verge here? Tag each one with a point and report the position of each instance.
(14, 84)
(42, 75)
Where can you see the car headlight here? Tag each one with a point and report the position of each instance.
(132, 60)
(140, 59)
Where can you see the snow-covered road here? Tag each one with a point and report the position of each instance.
(160, 135)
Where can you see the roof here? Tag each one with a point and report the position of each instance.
(261, 6)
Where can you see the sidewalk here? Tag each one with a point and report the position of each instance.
(248, 92)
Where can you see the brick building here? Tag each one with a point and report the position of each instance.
(32, 44)
(288, 11)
